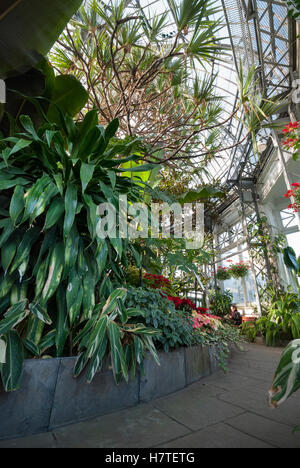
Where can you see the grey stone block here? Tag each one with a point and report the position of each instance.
(75, 400)
(164, 379)
(27, 411)
(213, 359)
(197, 363)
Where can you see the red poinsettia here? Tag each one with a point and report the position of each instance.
(295, 193)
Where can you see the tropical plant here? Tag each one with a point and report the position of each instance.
(282, 321)
(54, 268)
(176, 327)
(220, 302)
(136, 70)
(287, 376)
(223, 274)
(116, 330)
(28, 31)
(293, 264)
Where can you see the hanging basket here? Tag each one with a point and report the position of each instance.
(223, 274)
(240, 270)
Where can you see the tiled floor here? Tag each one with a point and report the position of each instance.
(224, 410)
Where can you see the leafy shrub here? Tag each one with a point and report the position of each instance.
(282, 321)
(53, 264)
(223, 274)
(176, 327)
(220, 303)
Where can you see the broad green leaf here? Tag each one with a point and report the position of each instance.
(203, 195)
(17, 204)
(97, 335)
(68, 95)
(40, 312)
(74, 295)
(97, 359)
(111, 303)
(54, 213)
(287, 376)
(48, 341)
(24, 248)
(112, 129)
(117, 353)
(71, 200)
(23, 49)
(8, 252)
(16, 314)
(32, 347)
(34, 195)
(55, 271)
(62, 329)
(12, 370)
(86, 175)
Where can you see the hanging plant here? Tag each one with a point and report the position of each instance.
(239, 270)
(223, 274)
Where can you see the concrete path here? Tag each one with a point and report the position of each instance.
(222, 411)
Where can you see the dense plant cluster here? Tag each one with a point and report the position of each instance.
(71, 142)
(281, 322)
(239, 270)
(235, 270)
(160, 313)
(177, 327)
(223, 273)
(220, 302)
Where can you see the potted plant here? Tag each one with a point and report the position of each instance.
(239, 270)
(223, 274)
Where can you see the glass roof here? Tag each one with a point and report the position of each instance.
(254, 32)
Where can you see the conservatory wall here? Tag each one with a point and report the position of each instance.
(230, 236)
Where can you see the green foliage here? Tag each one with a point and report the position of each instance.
(223, 274)
(294, 8)
(160, 313)
(36, 26)
(220, 303)
(57, 96)
(111, 331)
(249, 330)
(51, 183)
(282, 321)
(142, 66)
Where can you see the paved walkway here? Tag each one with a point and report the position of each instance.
(222, 411)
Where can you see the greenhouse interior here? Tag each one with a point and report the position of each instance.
(150, 226)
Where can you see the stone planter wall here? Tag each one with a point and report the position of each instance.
(50, 397)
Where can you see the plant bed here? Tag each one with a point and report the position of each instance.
(50, 397)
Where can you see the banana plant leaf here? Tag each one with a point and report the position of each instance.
(28, 31)
(201, 196)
